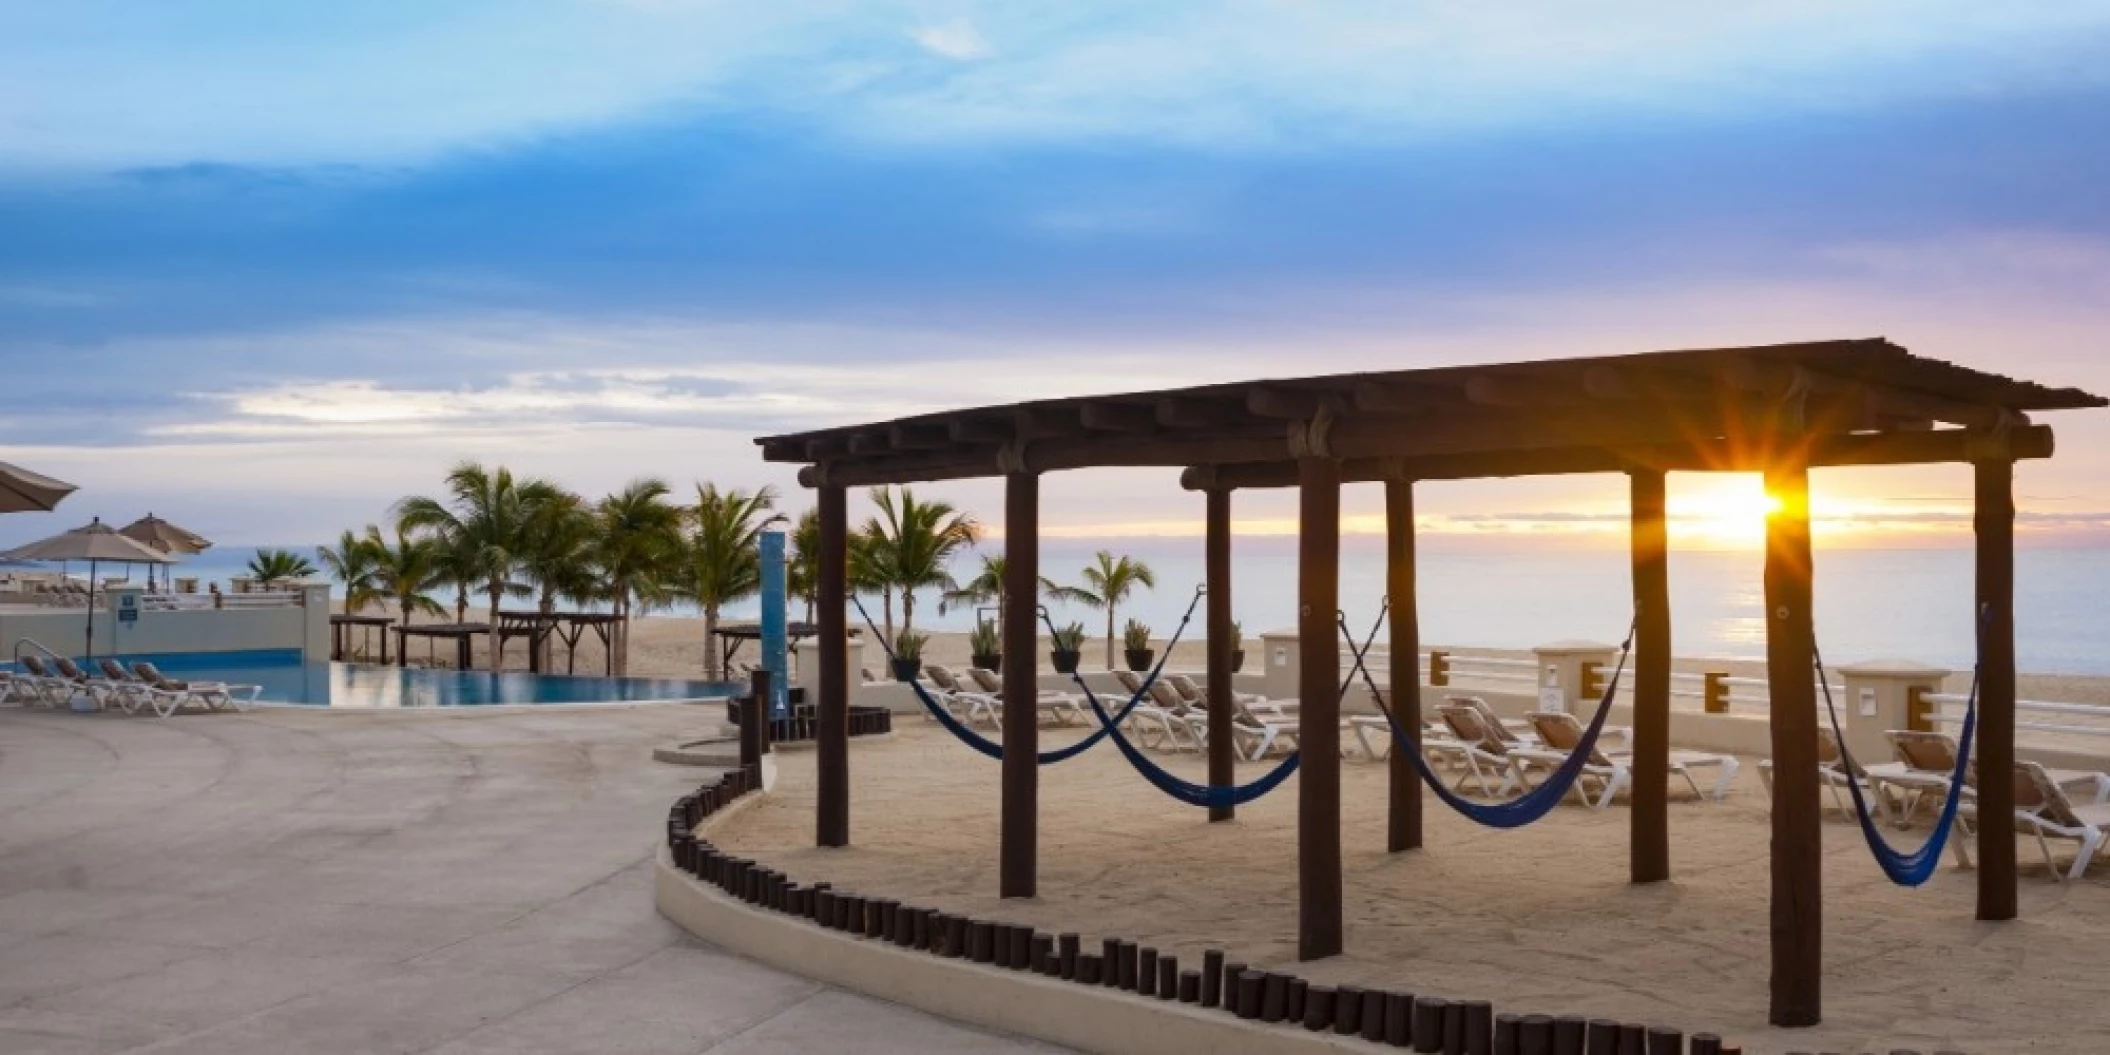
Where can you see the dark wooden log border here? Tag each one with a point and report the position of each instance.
(804, 726)
(1383, 1017)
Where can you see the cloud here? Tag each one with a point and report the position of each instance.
(196, 81)
(957, 40)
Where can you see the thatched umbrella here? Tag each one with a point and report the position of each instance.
(95, 543)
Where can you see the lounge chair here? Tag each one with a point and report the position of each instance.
(46, 687)
(1482, 748)
(1195, 694)
(2043, 809)
(1562, 734)
(1926, 762)
(1832, 771)
(99, 690)
(213, 695)
(1061, 706)
(964, 702)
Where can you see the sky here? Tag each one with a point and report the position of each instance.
(267, 267)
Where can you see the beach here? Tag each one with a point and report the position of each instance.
(1538, 919)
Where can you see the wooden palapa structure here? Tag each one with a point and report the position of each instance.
(1780, 410)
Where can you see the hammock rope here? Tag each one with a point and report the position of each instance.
(1171, 784)
(994, 750)
(1914, 868)
(1533, 804)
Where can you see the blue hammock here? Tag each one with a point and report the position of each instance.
(1174, 786)
(1529, 806)
(991, 748)
(1916, 867)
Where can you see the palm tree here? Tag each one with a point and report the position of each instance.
(637, 547)
(912, 542)
(1107, 583)
(492, 520)
(557, 553)
(724, 563)
(405, 570)
(351, 561)
(276, 567)
(988, 586)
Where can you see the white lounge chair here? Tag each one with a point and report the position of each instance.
(1562, 734)
(1064, 707)
(1832, 771)
(2043, 809)
(213, 695)
(1482, 749)
(965, 703)
(46, 687)
(1926, 762)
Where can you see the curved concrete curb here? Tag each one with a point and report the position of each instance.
(1021, 1003)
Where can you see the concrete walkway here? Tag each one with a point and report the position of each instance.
(296, 882)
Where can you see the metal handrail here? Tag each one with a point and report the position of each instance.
(38, 645)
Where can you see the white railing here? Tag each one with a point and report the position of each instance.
(194, 602)
(2038, 706)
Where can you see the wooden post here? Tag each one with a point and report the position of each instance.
(1797, 909)
(1403, 826)
(1649, 847)
(1217, 558)
(1318, 688)
(832, 708)
(1994, 522)
(754, 720)
(1021, 790)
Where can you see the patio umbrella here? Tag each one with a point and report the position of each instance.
(164, 536)
(22, 491)
(95, 543)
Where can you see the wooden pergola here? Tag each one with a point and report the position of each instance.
(1779, 410)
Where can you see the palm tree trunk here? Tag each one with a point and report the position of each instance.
(620, 639)
(886, 596)
(711, 671)
(1110, 636)
(497, 657)
(461, 603)
(908, 610)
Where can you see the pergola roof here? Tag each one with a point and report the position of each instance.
(1838, 402)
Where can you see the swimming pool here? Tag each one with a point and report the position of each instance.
(288, 680)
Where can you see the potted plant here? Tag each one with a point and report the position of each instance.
(1135, 640)
(1237, 646)
(908, 654)
(1068, 648)
(986, 648)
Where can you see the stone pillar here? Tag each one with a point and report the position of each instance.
(1281, 667)
(118, 622)
(1560, 674)
(315, 621)
(1878, 698)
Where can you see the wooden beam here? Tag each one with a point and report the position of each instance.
(1019, 855)
(832, 739)
(1319, 930)
(1032, 423)
(1649, 840)
(1488, 390)
(1286, 403)
(981, 430)
(1893, 448)
(865, 444)
(1403, 821)
(1994, 523)
(1216, 560)
(1798, 832)
(920, 436)
(1120, 417)
(1378, 397)
(827, 447)
(1198, 414)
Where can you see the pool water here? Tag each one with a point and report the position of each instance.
(287, 679)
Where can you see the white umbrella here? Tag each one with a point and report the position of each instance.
(95, 543)
(164, 536)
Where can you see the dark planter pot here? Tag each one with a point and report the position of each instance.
(1139, 659)
(993, 662)
(1237, 660)
(1065, 662)
(907, 669)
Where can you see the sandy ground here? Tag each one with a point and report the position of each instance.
(1539, 919)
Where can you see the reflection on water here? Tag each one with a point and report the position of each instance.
(286, 679)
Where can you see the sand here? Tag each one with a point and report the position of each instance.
(1538, 920)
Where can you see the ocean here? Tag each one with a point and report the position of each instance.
(1871, 603)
